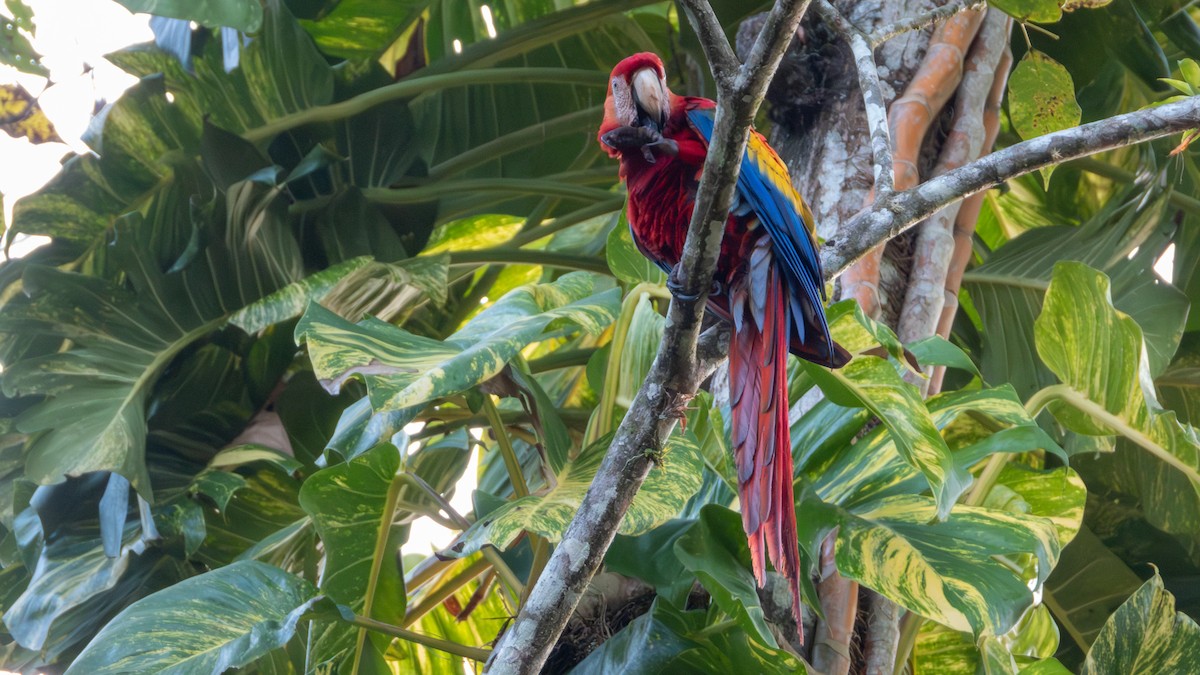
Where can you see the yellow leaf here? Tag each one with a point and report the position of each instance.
(20, 116)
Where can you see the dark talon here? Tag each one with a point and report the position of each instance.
(676, 287)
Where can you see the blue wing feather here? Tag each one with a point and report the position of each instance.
(776, 209)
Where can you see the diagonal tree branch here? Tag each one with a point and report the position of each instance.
(894, 214)
(891, 30)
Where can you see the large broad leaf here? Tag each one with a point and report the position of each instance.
(715, 551)
(94, 416)
(944, 570)
(1088, 584)
(640, 648)
(1146, 635)
(942, 651)
(69, 573)
(1099, 354)
(403, 370)
(224, 619)
(1008, 290)
(244, 15)
(353, 507)
(670, 484)
(875, 384)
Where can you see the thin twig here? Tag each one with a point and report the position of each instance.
(872, 93)
(490, 554)
(891, 30)
(448, 646)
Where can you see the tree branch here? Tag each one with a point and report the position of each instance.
(889, 217)
(891, 30)
(872, 93)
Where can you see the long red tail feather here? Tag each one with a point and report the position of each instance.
(761, 433)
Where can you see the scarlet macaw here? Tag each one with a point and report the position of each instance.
(768, 281)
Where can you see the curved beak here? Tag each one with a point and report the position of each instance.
(651, 98)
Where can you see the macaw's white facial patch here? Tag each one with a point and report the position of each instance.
(623, 103)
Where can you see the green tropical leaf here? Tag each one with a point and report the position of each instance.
(642, 648)
(1041, 95)
(715, 551)
(353, 507)
(1087, 585)
(15, 48)
(874, 383)
(651, 558)
(223, 619)
(403, 370)
(70, 573)
(123, 339)
(244, 15)
(1146, 635)
(1008, 290)
(1041, 11)
(626, 261)
(1099, 354)
(661, 497)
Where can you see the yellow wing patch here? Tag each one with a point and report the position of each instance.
(773, 168)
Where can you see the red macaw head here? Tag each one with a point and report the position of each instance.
(637, 96)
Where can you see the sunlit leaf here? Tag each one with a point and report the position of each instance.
(668, 487)
(403, 370)
(22, 117)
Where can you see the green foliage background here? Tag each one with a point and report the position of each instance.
(288, 298)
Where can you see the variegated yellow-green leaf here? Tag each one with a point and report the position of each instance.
(887, 542)
(1099, 355)
(353, 507)
(942, 651)
(673, 481)
(291, 300)
(875, 384)
(1146, 635)
(945, 571)
(403, 370)
(479, 629)
(872, 467)
(224, 619)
